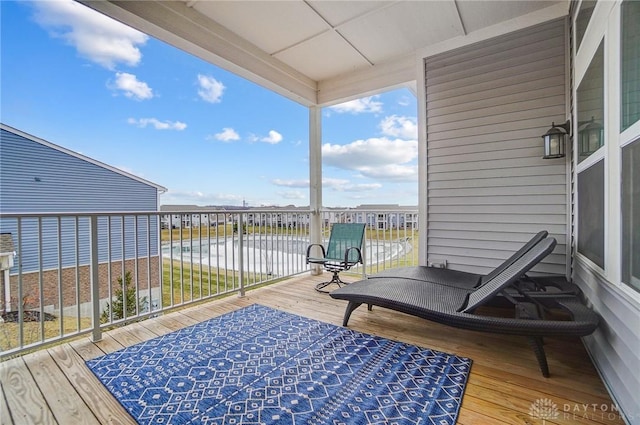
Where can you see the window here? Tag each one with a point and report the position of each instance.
(590, 97)
(591, 178)
(582, 21)
(591, 213)
(630, 63)
(631, 215)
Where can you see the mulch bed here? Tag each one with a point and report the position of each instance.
(28, 316)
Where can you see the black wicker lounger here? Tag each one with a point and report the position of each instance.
(455, 277)
(554, 285)
(456, 306)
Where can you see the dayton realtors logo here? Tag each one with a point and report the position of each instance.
(544, 408)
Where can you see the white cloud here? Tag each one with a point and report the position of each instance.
(95, 36)
(370, 152)
(273, 138)
(397, 172)
(402, 127)
(227, 135)
(291, 183)
(378, 158)
(404, 101)
(292, 194)
(210, 89)
(157, 124)
(132, 87)
(360, 187)
(338, 185)
(333, 182)
(179, 197)
(359, 106)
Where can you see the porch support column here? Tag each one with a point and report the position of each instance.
(315, 179)
(423, 194)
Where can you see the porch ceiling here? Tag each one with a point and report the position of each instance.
(323, 52)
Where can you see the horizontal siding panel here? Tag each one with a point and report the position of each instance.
(50, 243)
(541, 123)
(499, 172)
(493, 121)
(540, 32)
(499, 200)
(608, 301)
(470, 75)
(497, 55)
(507, 241)
(499, 191)
(37, 178)
(491, 147)
(445, 166)
(531, 133)
(504, 96)
(552, 209)
(555, 258)
(497, 106)
(529, 228)
(498, 182)
(616, 346)
(485, 265)
(488, 188)
(516, 82)
(515, 72)
(503, 248)
(503, 157)
(457, 217)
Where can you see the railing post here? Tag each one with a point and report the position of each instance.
(95, 285)
(241, 253)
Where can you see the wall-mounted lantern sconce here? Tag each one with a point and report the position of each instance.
(555, 140)
(590, 137)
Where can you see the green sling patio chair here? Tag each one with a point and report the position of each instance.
(343, 251)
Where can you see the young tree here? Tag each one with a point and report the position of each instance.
(125, 297)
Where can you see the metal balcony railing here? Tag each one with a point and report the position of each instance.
(69, 274)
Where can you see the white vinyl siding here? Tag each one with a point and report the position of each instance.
(489, 190)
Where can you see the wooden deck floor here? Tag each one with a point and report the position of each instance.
(53, 386)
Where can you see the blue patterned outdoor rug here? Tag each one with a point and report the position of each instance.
(258, 365)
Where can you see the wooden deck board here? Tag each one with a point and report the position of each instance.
(66, 404)
(25, 400)
(105, 408)
(5, 416)
(504, 382)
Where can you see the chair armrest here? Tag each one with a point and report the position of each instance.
(324, 254)
(346, 256)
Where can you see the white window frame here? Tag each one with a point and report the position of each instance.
(605, 24)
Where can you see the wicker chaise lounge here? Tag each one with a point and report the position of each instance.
(534, 286)
(456, 306)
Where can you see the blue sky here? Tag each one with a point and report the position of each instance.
(90, 84)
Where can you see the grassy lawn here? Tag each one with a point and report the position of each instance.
(189, 283)
(31, 331)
